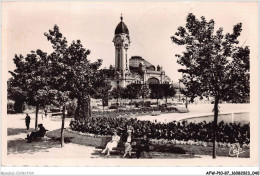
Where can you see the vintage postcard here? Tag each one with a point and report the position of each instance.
(129, 84)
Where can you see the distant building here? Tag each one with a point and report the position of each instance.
(136, 69)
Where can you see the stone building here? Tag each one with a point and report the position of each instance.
(136, 69)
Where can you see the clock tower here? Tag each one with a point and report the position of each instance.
(121, 42)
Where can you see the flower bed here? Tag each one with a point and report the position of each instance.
(136, 110)
(177, 131)
(156, 145)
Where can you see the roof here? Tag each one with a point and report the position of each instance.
(135, 61)
(121, 28)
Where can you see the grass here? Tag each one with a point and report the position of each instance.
(20, 146)
(16, 131)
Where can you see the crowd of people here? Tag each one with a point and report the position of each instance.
(181, 131)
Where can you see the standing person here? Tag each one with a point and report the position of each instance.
(128, 147)
(45, 112)
(27, 121)
(112, 144)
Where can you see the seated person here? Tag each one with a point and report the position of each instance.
(35, 134)
(142, 146)
(111, 144)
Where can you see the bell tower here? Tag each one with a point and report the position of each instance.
(121, 42)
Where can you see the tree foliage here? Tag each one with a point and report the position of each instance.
(73, 72)
(168, 91)
(64, 74)
(132, 91)
(213, 63)
(145, 91)
(117, 92)
(29, 81)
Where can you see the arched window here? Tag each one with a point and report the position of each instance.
(153, 81)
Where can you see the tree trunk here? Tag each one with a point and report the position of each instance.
(22, 107)
(143, 100)
(89, 108)
(36, 115)
(77, 111)
(62, 126)
(186, 104)
(83, 109)
(117, 104)
(131, 103)
(215, 123)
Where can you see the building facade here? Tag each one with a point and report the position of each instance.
(136, 69)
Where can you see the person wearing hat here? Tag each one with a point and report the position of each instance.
(111, 144)
(35, 134)
(27, 121)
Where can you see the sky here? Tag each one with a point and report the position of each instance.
(150, 24)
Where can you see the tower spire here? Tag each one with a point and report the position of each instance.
(121, 17)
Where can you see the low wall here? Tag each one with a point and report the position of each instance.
(241, 117)
(79, 138)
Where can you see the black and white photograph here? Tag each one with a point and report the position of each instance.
(129, 83)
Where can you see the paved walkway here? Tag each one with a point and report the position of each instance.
(18, 148)
(197, 111)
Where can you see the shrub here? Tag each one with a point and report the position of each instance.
(112, 107)
(182, 133)
(147, 104)
(53, 109)
(10, 105)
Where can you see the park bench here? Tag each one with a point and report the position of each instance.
(121, 145)
(39, 138)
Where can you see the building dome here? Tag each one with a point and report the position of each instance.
(121, 28)
(135, 61)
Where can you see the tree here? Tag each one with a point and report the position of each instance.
(213, 63)
(168, 91)
(103, 86)
(72, 75)
(30, 80)
(82, 76)
(104, 93)
(117, 93)
(131, 91)
(145, 91)
(16, 93)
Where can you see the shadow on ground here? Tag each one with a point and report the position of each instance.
(16, 131)
(19, 146)
(151, 155)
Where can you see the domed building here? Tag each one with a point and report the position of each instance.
(136, 69)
